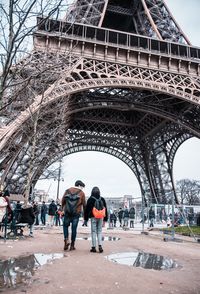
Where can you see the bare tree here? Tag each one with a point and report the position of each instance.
(22, 74)
(188, 191)
(17, 25)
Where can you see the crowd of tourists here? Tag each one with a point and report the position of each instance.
(67, 214)
(73, 206)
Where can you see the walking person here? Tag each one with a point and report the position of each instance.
(96, 223)
(73, 201)
(43, 213)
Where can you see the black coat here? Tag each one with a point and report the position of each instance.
(89, 206)
(52, 208)
(151, 213)
(44, 209)
(132, 213)
(27, 215)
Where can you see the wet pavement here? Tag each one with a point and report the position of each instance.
(129, 259)
(144, 260)
(17, 271)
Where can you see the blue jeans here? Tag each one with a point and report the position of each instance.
(96, 230)
(151, 222)
(43, 218)
(125, 221)
(66, 223)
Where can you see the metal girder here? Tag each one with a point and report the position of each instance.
(146, 17)
(94, 88)
(104, 118)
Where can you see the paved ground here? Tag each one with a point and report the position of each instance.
(83, 272)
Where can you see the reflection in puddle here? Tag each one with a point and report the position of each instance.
(20, 270)
(109, 238)
(144, 260)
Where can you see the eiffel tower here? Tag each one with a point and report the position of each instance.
(114, 76)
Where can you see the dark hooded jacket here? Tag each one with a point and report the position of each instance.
(89, 206)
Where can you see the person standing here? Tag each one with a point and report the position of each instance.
(52, 212)
(120, 216)
(96, 223)
(17, 211)
(6, 213)
(43, 213)
(58, 215)
(151, 217)
(27, 215)
(132, 216)
(36, 211)
(6, 195)
(73, 201)
(125, 217)
(112, 219)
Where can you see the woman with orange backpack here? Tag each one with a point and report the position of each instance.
(96, 210)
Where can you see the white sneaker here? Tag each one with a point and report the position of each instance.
(31, 235)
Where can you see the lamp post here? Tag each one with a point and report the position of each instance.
(173, 229)
(142, 212)
(59, 179)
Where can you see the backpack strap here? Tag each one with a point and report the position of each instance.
(98, 199)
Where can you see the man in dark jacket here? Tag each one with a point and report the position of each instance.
(43, 213)
(151, 217)
(17, 211)
(132, 216)
(125, 217)
(27, 216)
(77, 196)
(52, 212)
(36, 212)
(120, 215)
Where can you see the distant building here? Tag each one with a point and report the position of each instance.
(117, 202)
(40, 195)
(16, 197)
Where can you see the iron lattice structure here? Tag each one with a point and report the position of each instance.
(115, 76)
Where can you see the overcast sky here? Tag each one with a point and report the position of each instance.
(111, 175)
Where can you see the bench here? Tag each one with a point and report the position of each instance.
(18, 228)
(13, 229)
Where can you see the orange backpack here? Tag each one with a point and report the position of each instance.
(98, 210)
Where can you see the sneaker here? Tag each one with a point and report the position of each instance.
(93, 249)
(31, 235)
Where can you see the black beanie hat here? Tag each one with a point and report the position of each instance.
(79, 183)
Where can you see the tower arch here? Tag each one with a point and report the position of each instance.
(133, 88)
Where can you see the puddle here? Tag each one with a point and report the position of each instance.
(109, 238)
(17, 271)
(144, 260)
